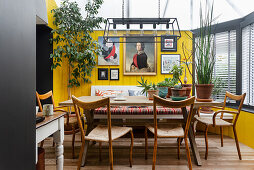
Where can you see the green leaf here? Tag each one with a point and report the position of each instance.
(73, 40)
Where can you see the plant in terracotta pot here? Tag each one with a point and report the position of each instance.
(170, 84)
(178, 90)
(153, 90)
(205, 57)
(148, 88)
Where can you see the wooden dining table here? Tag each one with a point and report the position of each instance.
(140, 101)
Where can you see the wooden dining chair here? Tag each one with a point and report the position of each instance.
(219, 122)
(100, 133)
(169, 131)
(70, 121)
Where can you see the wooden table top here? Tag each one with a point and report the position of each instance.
(133, 101)
(49, 119)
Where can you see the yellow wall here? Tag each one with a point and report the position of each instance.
(50, 4)
(61, 74)
(245, 125)
(244, 128)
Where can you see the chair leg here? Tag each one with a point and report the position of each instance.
(73, 142)
(188, 153)
(178, 148)
(206, 143)
(42, 142)
(100, 151)
(154, 152)
(195, 127)
(81, 155)
(221, 136)
(111, 155)
(237, 144)
(131, 148)
(146, 144)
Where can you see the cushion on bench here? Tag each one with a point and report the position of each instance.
(127, 110)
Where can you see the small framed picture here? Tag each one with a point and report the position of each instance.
(168, 61)
(114, 74)
(102, 74)
(168, 43)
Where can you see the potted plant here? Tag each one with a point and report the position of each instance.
(73, 40)
(148, 88)
(163, 89)
(153, 90)
(165, 86)
(178, 90)
(205, 57)
(171, 83)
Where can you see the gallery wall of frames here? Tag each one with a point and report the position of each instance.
(118, 64)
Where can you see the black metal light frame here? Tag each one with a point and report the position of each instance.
(111, 23)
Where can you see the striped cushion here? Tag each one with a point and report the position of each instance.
(127, 110)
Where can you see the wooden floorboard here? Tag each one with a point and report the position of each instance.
(218, 157)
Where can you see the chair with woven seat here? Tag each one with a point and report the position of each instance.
(219, 122)
(170, 131)
(101, 133)
(70, 121)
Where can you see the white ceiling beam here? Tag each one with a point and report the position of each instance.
(233, 6)
(165, 9)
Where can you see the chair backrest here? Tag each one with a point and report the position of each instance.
(88, 106)
(45, 96)
(240, 98)
(174, 104)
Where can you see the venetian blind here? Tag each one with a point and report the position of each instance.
(248, 64)
(225, 64)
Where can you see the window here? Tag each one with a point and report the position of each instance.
(225, 64)
(248, 64)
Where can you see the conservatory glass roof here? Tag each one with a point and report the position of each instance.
(186, 11)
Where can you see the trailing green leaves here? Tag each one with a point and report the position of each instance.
(73, 39)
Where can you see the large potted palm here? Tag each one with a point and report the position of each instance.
(205, 57)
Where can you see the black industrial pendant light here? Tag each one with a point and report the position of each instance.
(171, 25)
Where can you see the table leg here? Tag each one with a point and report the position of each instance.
(58, 138)
(90, 120)
(194, 147)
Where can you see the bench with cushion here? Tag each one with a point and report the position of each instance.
(132, 112)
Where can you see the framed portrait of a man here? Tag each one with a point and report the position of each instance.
(139, 56)
(110, 51)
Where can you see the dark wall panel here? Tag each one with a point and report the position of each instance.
(17, 84)
(44, 74)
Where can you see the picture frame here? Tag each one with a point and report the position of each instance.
(110, 51)
(114, 74)
(139, 55)
(102, 73)
(169, 43)
(168, 61)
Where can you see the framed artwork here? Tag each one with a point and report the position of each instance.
(110, 51)
(114, 74)
(168, 43)
(139, 56)
(102, 74)
(168, 61)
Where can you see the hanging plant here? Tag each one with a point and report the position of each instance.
(73, 39)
